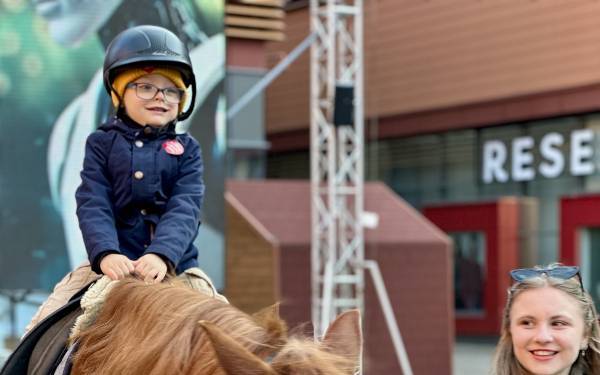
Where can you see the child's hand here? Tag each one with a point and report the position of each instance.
(151, 267)
(116, 266)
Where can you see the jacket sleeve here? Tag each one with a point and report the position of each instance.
(94, 206)
(179, 223)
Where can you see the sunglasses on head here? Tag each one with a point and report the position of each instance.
(558, 272)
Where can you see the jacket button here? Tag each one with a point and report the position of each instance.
(147, 130)
(139, 144)
(138, 175)
(143, 211)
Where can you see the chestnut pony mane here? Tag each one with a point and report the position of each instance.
(171, 329)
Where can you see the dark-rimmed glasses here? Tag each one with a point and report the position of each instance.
(559, 272)
(148, 91)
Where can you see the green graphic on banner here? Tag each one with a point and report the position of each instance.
(52, 98)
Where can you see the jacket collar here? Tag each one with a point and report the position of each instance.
(131, 129)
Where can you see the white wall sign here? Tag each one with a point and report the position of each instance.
(523, 166)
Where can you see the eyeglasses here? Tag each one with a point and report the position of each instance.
(148, 91)
(559, 272)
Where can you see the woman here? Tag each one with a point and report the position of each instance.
(550, 325)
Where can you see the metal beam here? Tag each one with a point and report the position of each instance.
(270, 76)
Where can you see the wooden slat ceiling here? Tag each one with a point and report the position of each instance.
(255, 19)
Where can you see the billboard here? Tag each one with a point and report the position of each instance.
(52, 98)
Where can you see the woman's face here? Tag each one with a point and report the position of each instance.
(547, 330)
(154, 112)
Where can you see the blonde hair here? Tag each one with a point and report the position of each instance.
(505, 362)
(125, 77)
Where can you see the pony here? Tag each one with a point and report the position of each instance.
(171, 329)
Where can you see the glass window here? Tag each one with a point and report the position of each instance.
(590, 262)
(460, 165)
(469, 272)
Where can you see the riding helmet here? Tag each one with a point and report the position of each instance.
(145, 45)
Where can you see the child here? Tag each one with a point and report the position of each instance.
(140, 197)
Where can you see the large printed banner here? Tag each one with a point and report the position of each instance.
(52, 98)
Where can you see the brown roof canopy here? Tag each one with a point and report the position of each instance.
(280, 209)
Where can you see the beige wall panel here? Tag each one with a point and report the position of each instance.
(423, 55)
(250, 281)
(287, 101)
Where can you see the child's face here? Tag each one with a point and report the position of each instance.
(154, 112)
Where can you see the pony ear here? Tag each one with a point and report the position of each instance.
(233, 357)
(268, 313)
(269, 319)
(344, 336)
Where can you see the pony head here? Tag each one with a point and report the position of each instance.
(171, 329)
(338, 353)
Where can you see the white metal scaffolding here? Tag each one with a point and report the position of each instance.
(337, 171)
(336, 161)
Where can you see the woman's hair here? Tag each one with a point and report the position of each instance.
(505, 362)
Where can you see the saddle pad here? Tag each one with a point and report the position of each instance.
(18, 362)
(51, 345)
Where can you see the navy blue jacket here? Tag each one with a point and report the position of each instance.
(135, 198)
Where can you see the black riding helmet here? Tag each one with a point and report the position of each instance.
(143, 45)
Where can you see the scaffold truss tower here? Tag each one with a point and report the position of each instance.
(337, 176)
(337, 166)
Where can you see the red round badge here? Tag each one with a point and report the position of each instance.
(172, 147)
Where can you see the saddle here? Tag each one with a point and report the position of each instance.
(41, 350)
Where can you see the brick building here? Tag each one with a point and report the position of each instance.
(474, 111)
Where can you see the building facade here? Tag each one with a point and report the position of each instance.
(469, 104)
